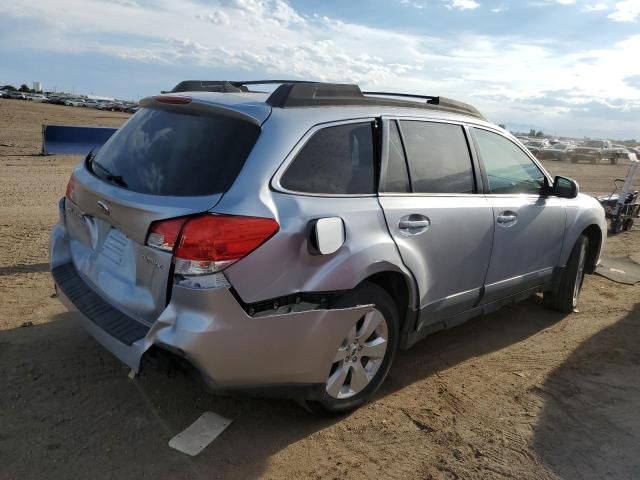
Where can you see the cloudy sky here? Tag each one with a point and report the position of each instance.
(566, 66)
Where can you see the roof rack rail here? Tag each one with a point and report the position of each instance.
(225, 86)
(308, 94)
(428, 98)
(305, 93)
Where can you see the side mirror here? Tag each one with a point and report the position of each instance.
(326, 235)
(564, 187)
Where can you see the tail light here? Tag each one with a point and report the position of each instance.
(208, 243)
(71, 187)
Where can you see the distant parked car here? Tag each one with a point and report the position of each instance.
(534, 146)
(17, 95)
(117, 107)
(103, 105)
(55, 100)
(90, 103)
(132, 109)
(37, 97)
(557, 151)
(74, 102)
(595, 151)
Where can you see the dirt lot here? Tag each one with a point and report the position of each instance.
(524, 393)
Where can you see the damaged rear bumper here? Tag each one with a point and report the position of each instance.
(284, 353)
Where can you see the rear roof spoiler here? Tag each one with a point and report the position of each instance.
(303, 93)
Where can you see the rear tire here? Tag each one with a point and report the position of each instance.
(565, 299)
(627, 225)
(346, 399)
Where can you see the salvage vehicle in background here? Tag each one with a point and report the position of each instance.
(594, 151)
(293, 241)
(557, 151)
(534, 146)
(16, 95)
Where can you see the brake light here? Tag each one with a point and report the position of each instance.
(71, 187)
(173, 99)
(209, 243)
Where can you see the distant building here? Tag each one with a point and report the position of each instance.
(37, 86)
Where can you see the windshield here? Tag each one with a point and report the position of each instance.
(162, 152)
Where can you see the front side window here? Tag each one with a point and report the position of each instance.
(336, 161)
(508, 169)
(438, 155)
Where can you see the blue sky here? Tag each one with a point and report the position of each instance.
(569, 67)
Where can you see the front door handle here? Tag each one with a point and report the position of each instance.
(414, 224)
(506, 219)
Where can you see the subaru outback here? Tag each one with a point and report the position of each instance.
(293, 241)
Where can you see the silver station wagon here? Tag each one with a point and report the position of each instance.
(291, 242)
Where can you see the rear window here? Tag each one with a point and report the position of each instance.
(161, 152)
(336, 161)
(439, 160)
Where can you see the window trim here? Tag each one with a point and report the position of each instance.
(478, 178)
(277, 177)
(485, 180)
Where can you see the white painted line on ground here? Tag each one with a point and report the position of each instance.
(200, 433)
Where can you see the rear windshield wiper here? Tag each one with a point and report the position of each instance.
(109, 177)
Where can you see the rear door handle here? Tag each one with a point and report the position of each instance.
(414, 224)
(506, 219)
(406, 224)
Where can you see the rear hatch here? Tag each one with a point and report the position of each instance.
(165, 162)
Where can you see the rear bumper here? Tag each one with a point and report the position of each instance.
(210, 329)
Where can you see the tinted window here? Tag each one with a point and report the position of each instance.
(438, 157)
(166, 153)
(336, 160)
(508, 168)
(395, 178)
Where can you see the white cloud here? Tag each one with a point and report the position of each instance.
(268, 38)
(217, 17)
(409, 3)
(626, 11)
(462, 4)
(596, 7)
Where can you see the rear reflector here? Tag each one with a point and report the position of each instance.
(208, 243)
(173, 99)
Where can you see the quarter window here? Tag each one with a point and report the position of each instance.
(439, 160)
(336, 160)
(508, 169)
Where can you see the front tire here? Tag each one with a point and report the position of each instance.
(364, 357)
(565, 299)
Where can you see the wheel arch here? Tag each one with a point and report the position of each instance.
(399, 287)
(594, 235)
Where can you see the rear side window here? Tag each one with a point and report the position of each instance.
(509, 169)
(161, 152)
(439, 159)
(336, 160)
(395, 179)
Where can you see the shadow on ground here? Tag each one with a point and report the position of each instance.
(24, 268)
(68, 410)
(590, 423)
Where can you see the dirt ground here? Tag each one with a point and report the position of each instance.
(524, 393)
